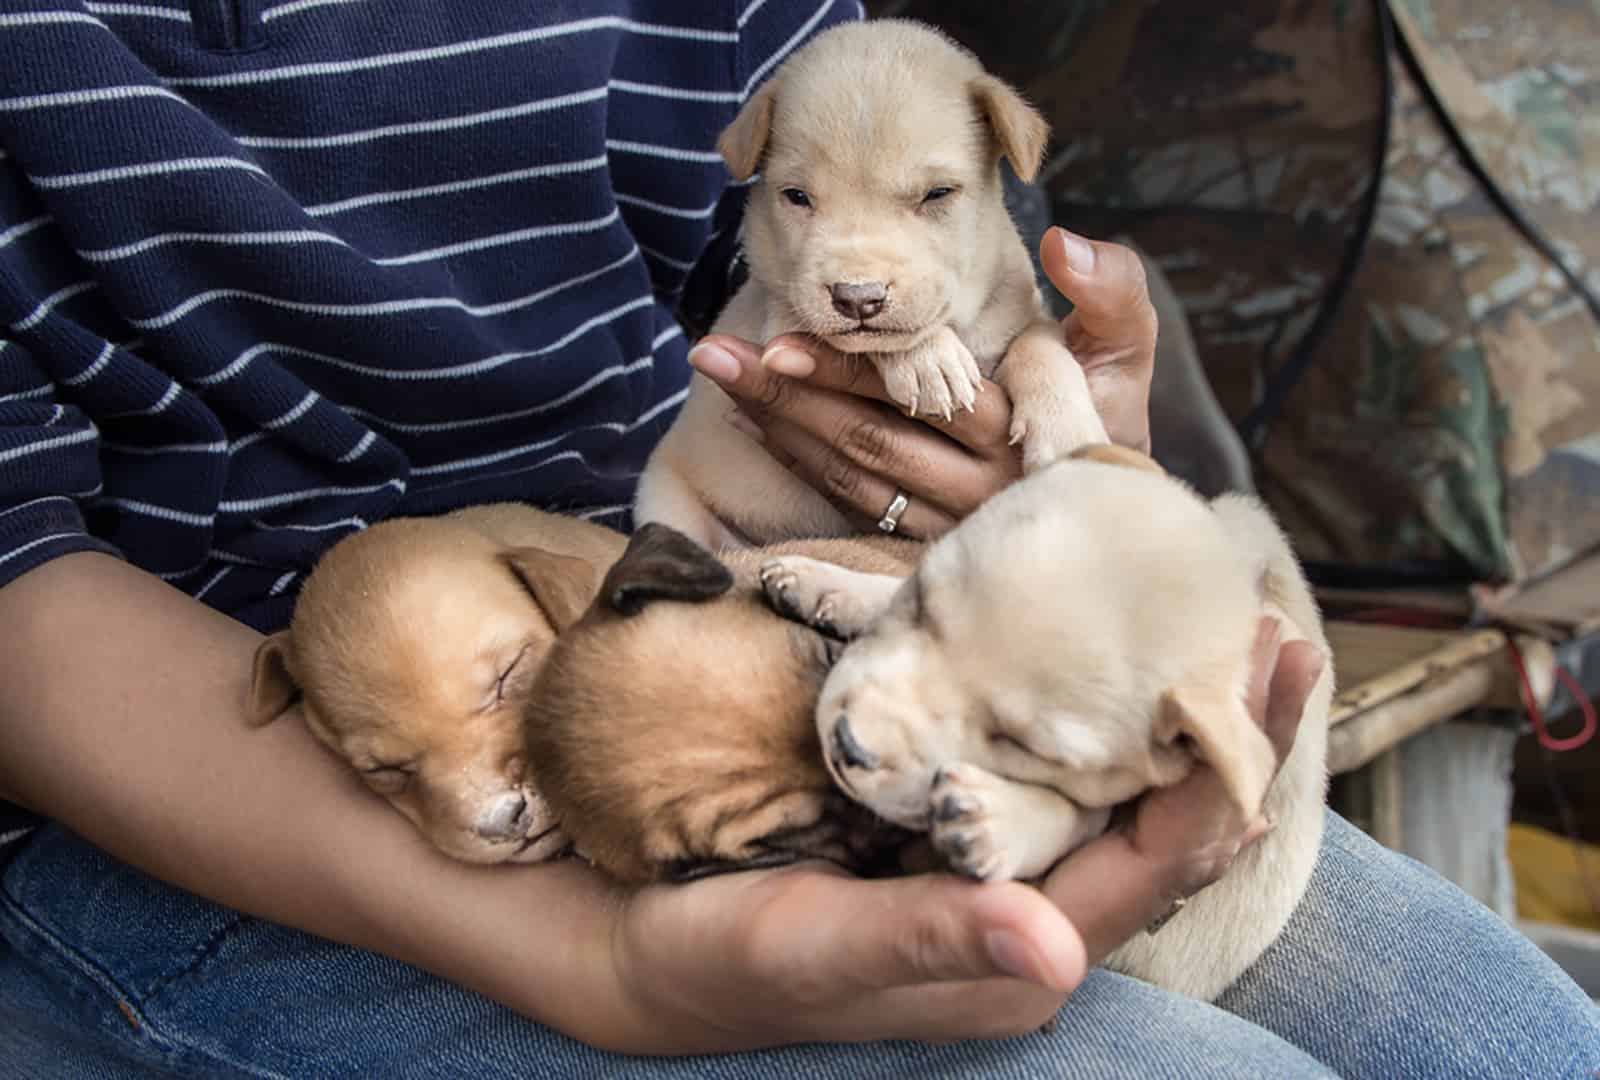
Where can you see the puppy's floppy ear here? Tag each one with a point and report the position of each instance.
(1224, 737)
(1112, 454)
(562, 586)
(272, 683)
(745, 140)
(662, 564)
(1017, 126)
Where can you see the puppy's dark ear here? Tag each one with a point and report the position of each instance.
(662, 564)
(272, 683)
(561, 585)
(1017, 126)
(745, 140)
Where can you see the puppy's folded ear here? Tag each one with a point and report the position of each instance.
(745, 140)
(272, 683)
(1112, 454)
(662, 564)
(562, 586)
(1017, 126)
(1224, 737)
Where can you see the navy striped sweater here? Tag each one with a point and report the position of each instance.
(270, 272)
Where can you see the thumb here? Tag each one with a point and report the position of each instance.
(1105, 282)
(931, 929)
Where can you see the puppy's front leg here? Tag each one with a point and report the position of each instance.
(828, 598)
(933, 378)
(995, 829)
(1052, 411)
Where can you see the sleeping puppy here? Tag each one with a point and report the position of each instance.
(1080, 638)
(671, 727)
(876, 224)
(412, 646)
(1042, 663)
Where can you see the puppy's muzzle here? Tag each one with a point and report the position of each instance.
(859, 300)
(504, 818)
(848, 750)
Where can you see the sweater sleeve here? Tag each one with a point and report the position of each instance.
(49, 465)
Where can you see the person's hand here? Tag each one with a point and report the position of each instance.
(1184, 837)
(807, 953)
(826, 416)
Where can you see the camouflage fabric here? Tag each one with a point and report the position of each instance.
(1446, 418)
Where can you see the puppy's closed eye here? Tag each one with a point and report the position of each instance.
(505, 682)
(388, 778)
(934, 194)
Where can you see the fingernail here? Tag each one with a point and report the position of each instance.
(1013, 956)
(714, 362)
(744, 425)
(789, 361)
(1079, 252)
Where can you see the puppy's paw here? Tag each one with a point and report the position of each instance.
(797, 589)
(1050, 424)
(966, 827)
(933, 379)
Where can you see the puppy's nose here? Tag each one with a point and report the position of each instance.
(502, 818)
(859, 299)
(848, 750)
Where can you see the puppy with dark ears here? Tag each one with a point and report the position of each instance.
(875, 222)
(412, 647)
(670, 729)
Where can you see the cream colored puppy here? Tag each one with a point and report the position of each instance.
(1082, 637)
(876, 224)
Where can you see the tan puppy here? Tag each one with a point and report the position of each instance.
(876, 224)
(412, 646)
(671, 728)
(1074, 642)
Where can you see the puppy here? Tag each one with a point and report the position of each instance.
(671, 727)
(1041, 664)
(876, 224)
(411, 649)
(1082, 637)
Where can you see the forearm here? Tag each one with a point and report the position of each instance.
(122, 716)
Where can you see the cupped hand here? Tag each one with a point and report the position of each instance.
(768, 958)
(826, 416)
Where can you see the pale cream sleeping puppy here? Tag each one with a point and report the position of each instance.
(876, 224)
(1077, 640)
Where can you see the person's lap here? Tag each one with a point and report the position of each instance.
(1385, 971)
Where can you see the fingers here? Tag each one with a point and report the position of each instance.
(763, 379)
(1298, 669)
(860, 937)
(853, 448)
(1112, 328)
(849, 481)
(1106, 284)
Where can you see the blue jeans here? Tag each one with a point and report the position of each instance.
(1385, 971)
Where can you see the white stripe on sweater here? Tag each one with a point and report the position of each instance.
(561, 168)
(92, 96)
(148, 168)
(417, 127)
(51, 302)
(381, 307)
(458, 48)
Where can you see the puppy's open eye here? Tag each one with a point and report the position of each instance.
(934, 194)
(796, 196)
